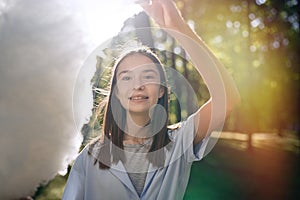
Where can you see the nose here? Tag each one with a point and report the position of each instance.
(138, 84)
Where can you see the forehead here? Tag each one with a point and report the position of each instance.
(136, 62)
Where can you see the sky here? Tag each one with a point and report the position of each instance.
(43, 45)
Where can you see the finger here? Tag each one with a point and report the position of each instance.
(145, 4)
(154, 10)
(146, 7)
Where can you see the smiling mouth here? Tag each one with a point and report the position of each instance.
(139, 98)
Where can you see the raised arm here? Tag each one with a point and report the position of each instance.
(222, 89)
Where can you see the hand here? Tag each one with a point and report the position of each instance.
(165, 13)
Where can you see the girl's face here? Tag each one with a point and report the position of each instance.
(138, 83)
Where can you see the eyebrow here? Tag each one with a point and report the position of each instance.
(150, 70)
(123, 72)
(144, 71)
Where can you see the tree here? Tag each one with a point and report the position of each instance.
(258, 42)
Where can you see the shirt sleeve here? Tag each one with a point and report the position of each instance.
(184, 137)
(74, 189)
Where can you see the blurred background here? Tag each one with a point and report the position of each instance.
(257, 155)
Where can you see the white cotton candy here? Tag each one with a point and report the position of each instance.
(42, 48)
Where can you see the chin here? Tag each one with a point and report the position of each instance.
(139, 110)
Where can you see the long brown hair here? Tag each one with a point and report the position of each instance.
(114, 134)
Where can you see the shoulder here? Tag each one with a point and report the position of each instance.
(82, 155)
(93, 147)
(90, 148)
(87, 155)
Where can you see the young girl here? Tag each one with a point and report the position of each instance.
(139, 157)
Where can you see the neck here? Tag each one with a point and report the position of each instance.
(137, 129)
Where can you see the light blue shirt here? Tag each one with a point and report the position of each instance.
(88, 182)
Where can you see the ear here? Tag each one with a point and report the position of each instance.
(161, 92)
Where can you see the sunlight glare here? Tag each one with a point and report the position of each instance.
(105, 19)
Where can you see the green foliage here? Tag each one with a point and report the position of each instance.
(259, 44)
(53, 190)
(134, 34)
